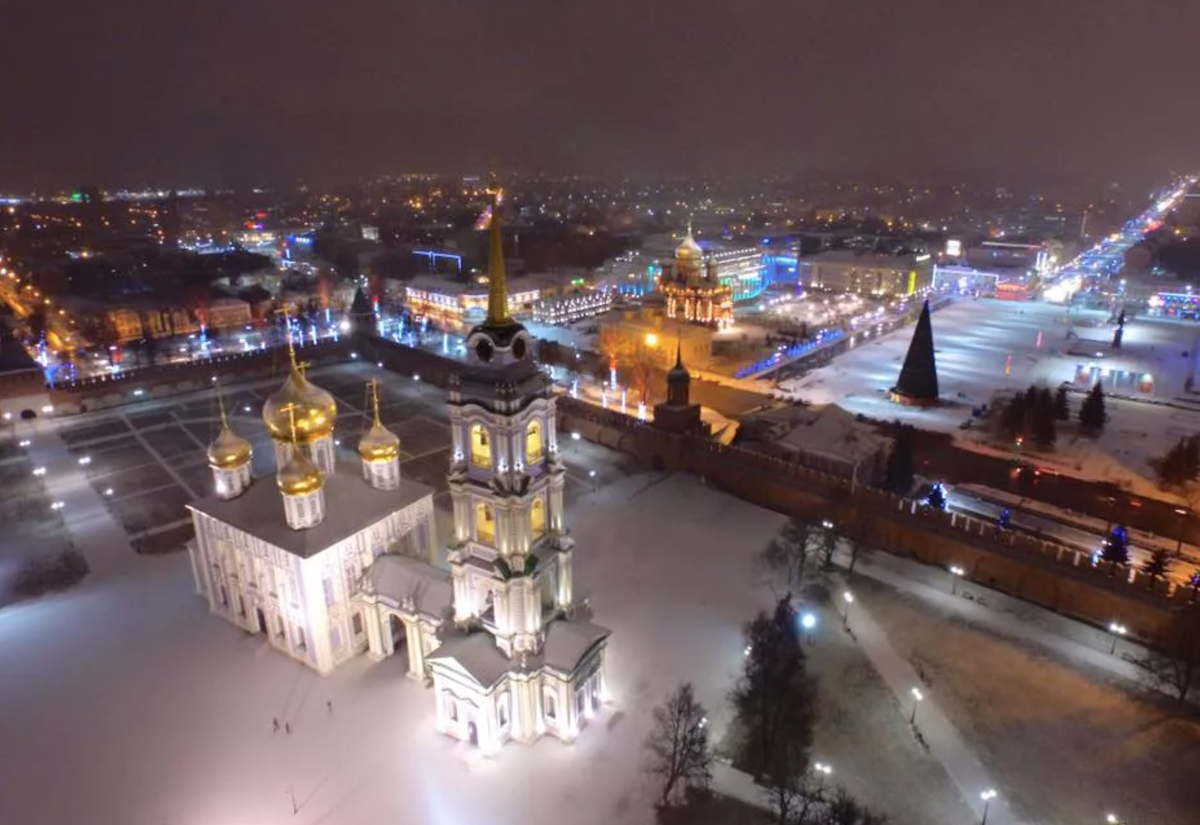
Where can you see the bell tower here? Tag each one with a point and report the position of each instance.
(510, 559)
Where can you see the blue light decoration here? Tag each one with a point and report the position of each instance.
(823, 337)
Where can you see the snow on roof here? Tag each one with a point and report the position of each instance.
(477, 655)
(351, 506)
(404, 579)
(567, 642)
(831, 431)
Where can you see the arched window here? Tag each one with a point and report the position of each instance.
(537, 517)
(533, 443)
(485, 523)
(481, 447)
(550, 703)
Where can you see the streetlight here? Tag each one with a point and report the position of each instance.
(987, 797)
(918, 697)
(592, 476)
(808, 621)
(1117, 630)
(822, 770)
(956, 573)
(849, 597)
(1182, 529)
(1112, 819)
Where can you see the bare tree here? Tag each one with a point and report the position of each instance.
(678, 744)
(827, 540)
(1175, 666)
(857, 536)
(787, 553)
(843, 809)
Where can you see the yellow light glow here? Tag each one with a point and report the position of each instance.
(651, 339)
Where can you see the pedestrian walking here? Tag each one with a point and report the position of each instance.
(329, 705)
(275, 725)
(287, 727)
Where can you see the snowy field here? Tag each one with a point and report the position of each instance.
(988, 345)
(124, 701)
(151, 710)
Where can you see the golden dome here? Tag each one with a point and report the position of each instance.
(299, 476)
(688, 249)
(228, 450)
(379, 444)
(314, 410)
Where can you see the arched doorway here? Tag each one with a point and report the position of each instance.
(472, 733)
(263, 627)
(399, 633)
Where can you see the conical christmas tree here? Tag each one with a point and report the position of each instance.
(918, 382)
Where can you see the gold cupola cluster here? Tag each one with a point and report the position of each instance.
(312, 408)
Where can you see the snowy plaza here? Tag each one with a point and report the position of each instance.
(988, 345)
(124, 700)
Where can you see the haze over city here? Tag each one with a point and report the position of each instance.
(127, 93)
(608, 414)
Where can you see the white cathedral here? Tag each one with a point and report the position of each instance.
(331, 562)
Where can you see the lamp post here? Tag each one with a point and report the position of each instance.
(956, 573)
(849, 597)
(918, 697)
(822, 770)
(808, 621)
(1182, 529)
(1112, 819)
(1117, 630)
(987, 797)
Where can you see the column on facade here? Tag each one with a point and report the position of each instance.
(372, 616)
(415, 642)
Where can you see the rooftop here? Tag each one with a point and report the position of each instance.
(351, 505)
(402, 578)
(858, 256)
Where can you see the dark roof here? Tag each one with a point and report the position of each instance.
(351, 505)
(400, 578)
(567, 642)
(478, 655)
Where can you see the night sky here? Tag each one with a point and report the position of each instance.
(177, 93)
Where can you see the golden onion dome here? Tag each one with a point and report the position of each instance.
(688, 249)
(313, 408)
(299, 476)
(379, 444)
(229, 450)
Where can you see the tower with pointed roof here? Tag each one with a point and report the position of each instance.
(313, 413)
(678, 414)
(229, 458)
(522, 664)
(380, 450)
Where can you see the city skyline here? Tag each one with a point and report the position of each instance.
(697, 89)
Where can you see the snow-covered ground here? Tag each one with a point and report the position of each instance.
(124, 701)
(988, 345)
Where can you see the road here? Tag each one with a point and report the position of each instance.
(1073, 530)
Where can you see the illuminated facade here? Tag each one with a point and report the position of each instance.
(444, 298)
(742, 270)
(523, 663)
(866, 273)
(693, 289)
(563, 309)
(323, 561)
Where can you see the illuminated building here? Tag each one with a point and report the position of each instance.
(524, 663)
(332, 561)
(868, 273)
(458, 300)
(693, 290)
(563, 309)
(742, 270)
(318, 561)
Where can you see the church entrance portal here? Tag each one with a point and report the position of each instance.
(263, 627)
(399, 635)
(472, 733)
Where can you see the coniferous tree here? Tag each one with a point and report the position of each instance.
(901, 465)
(1116, 548)
(1092, 416)
(1045, 429)
(1158, 565)
(774, 701)
(1062, 405)
(1014, 417)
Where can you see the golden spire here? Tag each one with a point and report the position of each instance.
(497, 313)
(287, 325)
(374, 385)
(221, 407)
